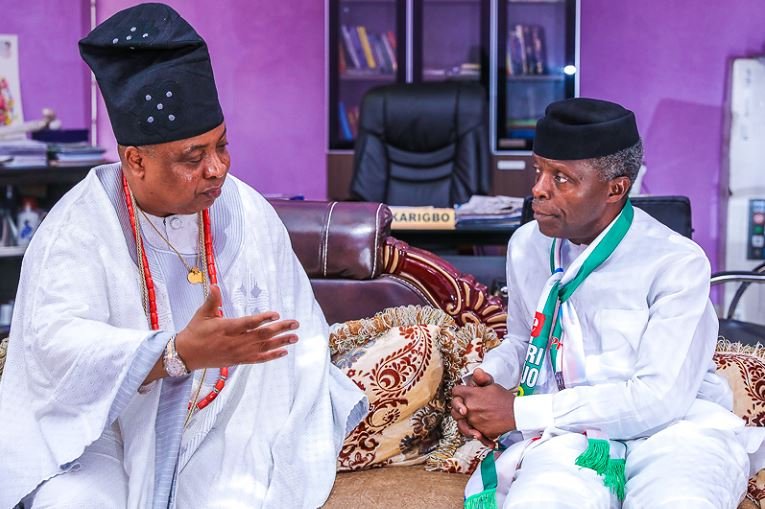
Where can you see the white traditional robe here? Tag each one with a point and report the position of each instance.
(648, 332)
(79, 331)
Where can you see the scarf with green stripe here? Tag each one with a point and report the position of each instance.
(549, 334)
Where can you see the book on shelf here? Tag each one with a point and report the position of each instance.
(539, 49)
(390, 48)
(342, 119)
(362, 50)
(362, 31)
(353, 120)
(468, 70)
(358, 49)
(526, 50)
(376, 55)
(350, 47)
(386, 64)
(342, 65)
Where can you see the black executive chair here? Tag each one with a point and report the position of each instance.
(422, 144)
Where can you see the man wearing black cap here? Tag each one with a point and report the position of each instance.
(604, 391)
(125, 386)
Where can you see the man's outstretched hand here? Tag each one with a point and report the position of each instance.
(212, 341)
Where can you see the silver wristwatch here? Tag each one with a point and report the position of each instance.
(172, 362)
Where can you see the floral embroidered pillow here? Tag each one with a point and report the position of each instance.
(744, 369)
(3, 351)
(745, 372)
(405, 359)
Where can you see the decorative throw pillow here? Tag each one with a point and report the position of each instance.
(458, 454)
(3, 352)
(744, 368)
(406, 361)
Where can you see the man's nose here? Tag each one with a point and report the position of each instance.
(541, 188)
(216, 168)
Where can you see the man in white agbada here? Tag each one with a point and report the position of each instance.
(97, 410)
(604, 391)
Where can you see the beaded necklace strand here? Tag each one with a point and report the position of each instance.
(149, 295)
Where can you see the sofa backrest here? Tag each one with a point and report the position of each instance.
(357, 269)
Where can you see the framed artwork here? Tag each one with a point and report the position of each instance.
(10, 84)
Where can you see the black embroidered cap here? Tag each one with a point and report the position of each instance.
(582, 128)
(154, 72)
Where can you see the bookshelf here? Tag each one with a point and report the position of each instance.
(430, 40)
(364, 48)
(47, 184)
(536, 64)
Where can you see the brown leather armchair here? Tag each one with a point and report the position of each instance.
(356, 269)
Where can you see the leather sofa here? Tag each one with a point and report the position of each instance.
(357, 268)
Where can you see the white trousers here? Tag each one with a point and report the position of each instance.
(100, 482)
(680, 467)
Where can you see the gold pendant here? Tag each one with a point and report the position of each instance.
(195, 276)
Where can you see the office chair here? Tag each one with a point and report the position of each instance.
(732, 329)
(672, 211)
(422, 144)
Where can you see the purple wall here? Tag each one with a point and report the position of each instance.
(49, 65)
(268, 59)
(667, 60)
(663, 60)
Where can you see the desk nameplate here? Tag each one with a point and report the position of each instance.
(422, 218)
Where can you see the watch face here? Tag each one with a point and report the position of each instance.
(174, 366)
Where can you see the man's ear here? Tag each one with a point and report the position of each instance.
(133, 161)
(618, 189)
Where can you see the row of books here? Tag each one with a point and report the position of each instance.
(348, 119)
(526, 50)
(361, 50)
(464, 70)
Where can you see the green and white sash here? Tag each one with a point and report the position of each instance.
(554, 328)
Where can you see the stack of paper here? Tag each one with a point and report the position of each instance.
(490, 210)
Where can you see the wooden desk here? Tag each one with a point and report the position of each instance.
(482, 235)
(475, 249)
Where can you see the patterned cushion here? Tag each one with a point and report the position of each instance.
(407, 360)
(744, 368)
(395, 357)
(3, 352)
(463, 455)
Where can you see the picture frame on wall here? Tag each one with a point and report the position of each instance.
(11, 112)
